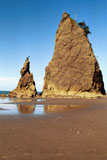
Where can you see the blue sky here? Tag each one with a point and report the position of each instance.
(28, 28)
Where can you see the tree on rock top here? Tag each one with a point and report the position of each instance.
(85, 27)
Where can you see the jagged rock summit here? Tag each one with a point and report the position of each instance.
(26, 85)
(73, 70)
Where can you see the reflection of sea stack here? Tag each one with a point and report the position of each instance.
(26, 108)
(73, 70)
(57, 108)
(26, 86)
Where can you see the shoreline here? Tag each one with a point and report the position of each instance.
(55, 101)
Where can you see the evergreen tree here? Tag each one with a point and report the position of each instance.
(85, 27)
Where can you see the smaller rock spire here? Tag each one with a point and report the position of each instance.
(26, 67)
(26, 86)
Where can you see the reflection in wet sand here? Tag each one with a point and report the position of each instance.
(26, 108)
(38, 109)
(3, 109)
(60, 108)
(8, 99)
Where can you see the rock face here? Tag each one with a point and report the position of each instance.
(3, 95)
(73, 70)
(26, 86)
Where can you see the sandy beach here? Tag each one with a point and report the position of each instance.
(70, 129)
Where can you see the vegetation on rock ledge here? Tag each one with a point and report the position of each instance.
(85, 27)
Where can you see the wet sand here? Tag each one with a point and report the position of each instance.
(79, 133)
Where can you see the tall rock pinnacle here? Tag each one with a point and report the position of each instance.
(26, 86)
(73, 70)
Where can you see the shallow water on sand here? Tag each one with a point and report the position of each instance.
(22, 109)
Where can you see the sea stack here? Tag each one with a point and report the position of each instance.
(26, 85)
(73, 70)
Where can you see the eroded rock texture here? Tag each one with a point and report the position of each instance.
(26, 86)
(73, 70)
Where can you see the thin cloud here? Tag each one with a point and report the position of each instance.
(8, 83)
